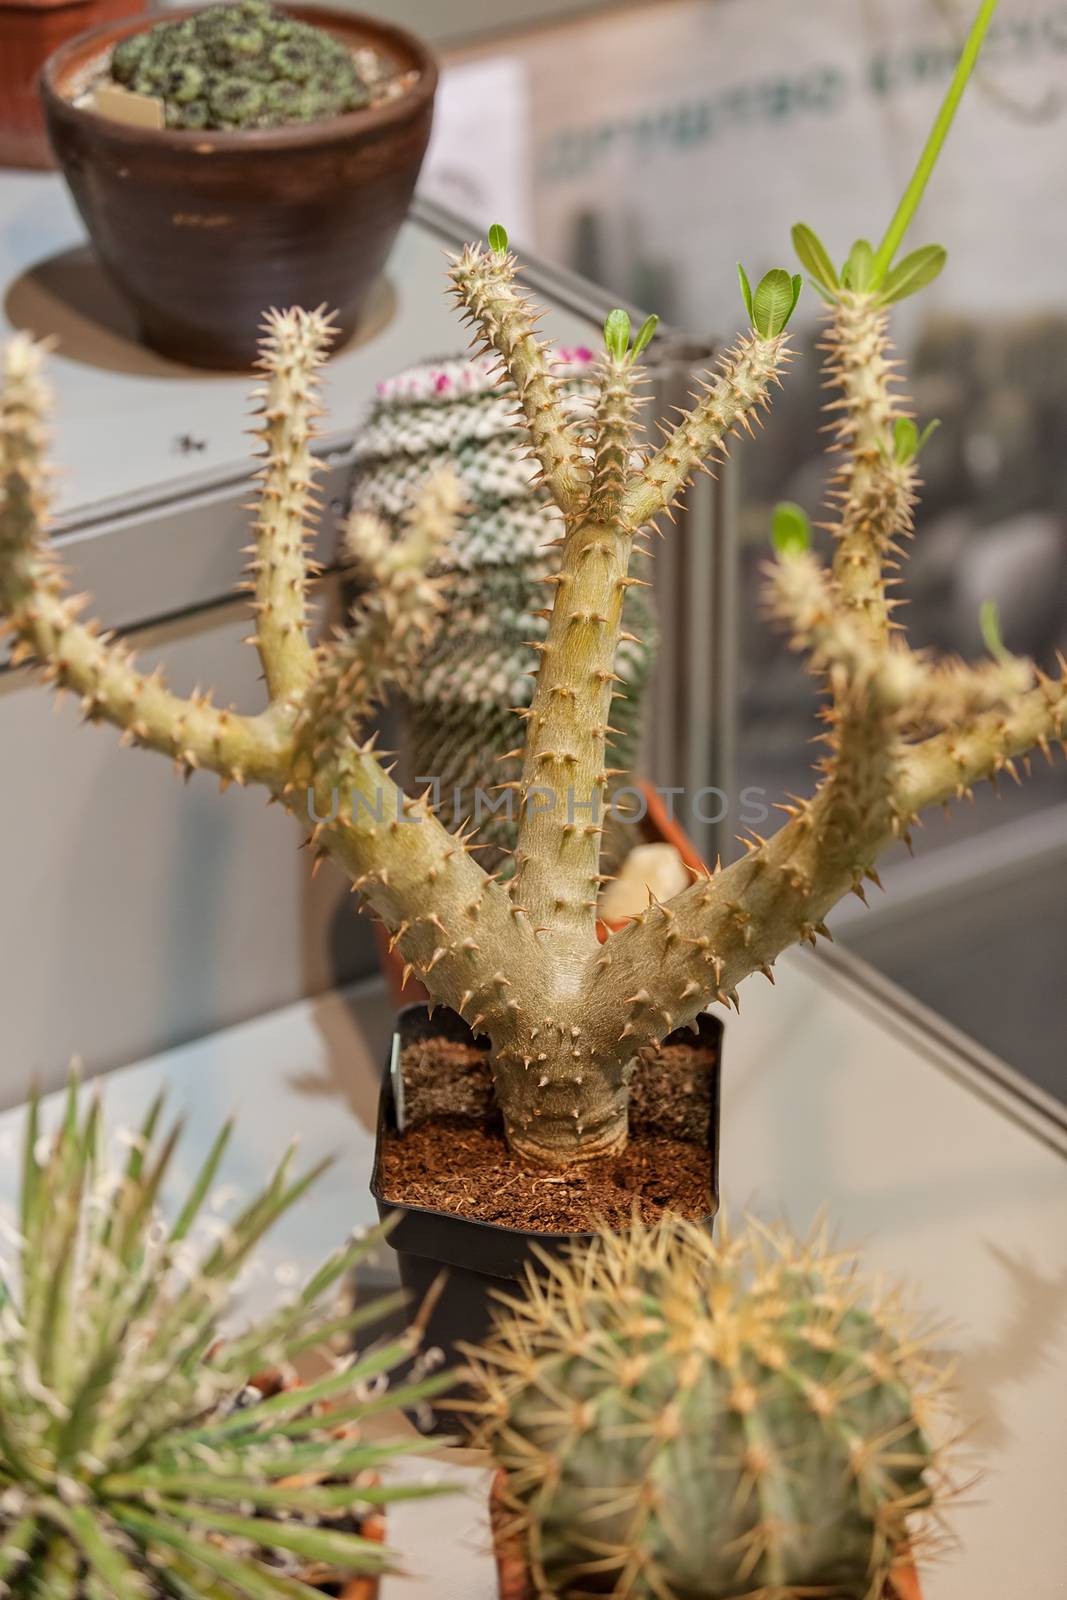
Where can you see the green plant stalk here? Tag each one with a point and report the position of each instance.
(894, 234)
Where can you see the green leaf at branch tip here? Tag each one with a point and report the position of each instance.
(774, 301)
(858, 272)
(989, 622)
(498, 239)
(916, 270)
(617, 333)
(746, 292)
(905, 439)
(790, 529)
(908, 442)
(645, 334)
(815, 258)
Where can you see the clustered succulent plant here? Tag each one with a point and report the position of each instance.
(246, 65)
(520, 960)
(686, 1420)
(134, 1459)
(460, 706)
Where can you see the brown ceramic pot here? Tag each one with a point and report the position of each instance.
(204, 232)
(29, 31)
(513, 1578)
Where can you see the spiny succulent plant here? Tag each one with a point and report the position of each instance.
(566, 1016)
(246, 65)
(460, 705)
(686, 1420)
(134, 1461)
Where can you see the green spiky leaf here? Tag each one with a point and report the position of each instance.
(746, 293)
(645, 335)
(916, 270)
(858, 271)
(617, 333)
(774, 301)
(815, 258)
(498, 239)
(110, 1354)
(790, 529)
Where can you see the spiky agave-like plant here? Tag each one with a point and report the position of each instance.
(130, 1465)
(680, 1419)
(565, 1016)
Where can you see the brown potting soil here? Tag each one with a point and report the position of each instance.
(453, 1156)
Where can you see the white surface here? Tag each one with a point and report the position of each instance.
(829, 1105)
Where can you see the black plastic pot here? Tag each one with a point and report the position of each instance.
(480, 1257)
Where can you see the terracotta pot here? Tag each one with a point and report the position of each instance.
(204, 232)
(29, 31)
(513, 1578)
(656, 827)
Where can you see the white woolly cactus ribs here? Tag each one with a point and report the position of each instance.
(683, 1419)
(520, 961)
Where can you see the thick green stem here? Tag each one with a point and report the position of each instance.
(727, 404)
(564, 779)
(560, 1105)
(294, 349)
(76, 656)
(484, 282)
(874, 490)
(455, 928)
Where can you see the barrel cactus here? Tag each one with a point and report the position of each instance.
(685, 1420)
(246, 65)
(136, 1459)
(460, 707)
